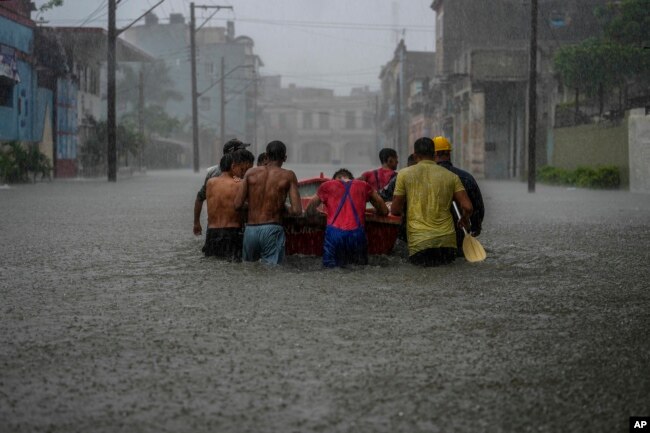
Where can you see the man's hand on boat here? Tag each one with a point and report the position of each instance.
(314, 216)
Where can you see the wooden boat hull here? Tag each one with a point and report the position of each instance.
(305, 237)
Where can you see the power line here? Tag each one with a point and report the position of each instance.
(91, 16)
(314, 24)
(338, 25)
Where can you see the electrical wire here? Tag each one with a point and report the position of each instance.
(91, 16)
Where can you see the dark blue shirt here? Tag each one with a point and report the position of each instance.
(473, 191)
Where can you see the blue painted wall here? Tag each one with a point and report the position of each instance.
(24, 120)
(42, 102)
(66, 119)
(17, 121)
(16, 35)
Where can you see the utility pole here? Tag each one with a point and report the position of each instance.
(400, 100)
(222, 111)
(111, 124)
(141, 116)
(377, 123)
(255, 113)
(195, 109)
(223, 103)
(532, 98)
(195, 95)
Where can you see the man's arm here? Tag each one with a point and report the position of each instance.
(313, 204)
(466, 208)
(387, 192)
(198, 206)
(294, 196)
(242, 193)
(479, 210)
(378, 203)
(397, 206)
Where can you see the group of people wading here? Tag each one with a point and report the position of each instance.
(422, 194)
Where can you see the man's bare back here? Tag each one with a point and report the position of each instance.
(266, 189)
(220, 193)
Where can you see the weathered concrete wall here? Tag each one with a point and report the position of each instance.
(593, 146)
(477, 135)
(639, 149)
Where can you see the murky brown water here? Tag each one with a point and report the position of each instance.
(111, 320)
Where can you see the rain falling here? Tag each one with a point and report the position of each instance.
(422, 216)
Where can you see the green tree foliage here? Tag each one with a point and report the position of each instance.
(629, 23)
(595, 63)
(156, 121)
(158, 85)
(597, 66)
(605, 177)
(18, 162)
(158, 91)
(50, 4)
(93, 152)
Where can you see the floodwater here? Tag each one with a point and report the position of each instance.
(111, 320)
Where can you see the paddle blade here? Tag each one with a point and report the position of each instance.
(473, 249)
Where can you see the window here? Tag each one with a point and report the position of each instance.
(204, 103)
(367, 120)
(6, 93)
(417, 87)
(282, 120)
(307, 120)
(94, 78)
(324, 120)
(209, 68)
(350, 120)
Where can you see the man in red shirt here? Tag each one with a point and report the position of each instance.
(345, 201)
(380, 177)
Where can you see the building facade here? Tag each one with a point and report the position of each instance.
(36, 99)
(402, 115)
(170, 44)
(479, 91)
(317, 125)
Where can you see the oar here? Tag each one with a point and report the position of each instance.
(472, 248)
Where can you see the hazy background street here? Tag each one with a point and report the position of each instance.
(112, 320)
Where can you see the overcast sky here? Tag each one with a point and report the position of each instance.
(335, 44)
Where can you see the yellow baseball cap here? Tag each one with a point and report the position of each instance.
(441, 144)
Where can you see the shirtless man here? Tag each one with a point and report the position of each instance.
(230, 146)
(224, 236)
(266, 188)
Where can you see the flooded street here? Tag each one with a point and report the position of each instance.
(111, 320)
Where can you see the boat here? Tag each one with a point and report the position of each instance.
(306, 237)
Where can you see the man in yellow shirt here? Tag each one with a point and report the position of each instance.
(426, 189)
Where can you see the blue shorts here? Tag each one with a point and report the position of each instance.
(264, 242)
(344, 247)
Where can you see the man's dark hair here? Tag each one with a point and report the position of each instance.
(226, 162)
(243, 155)
(386, 153)
(411, 159)
(343, 171)
(424, 147)
(233, 145)
(276, 151)
(261, 158)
